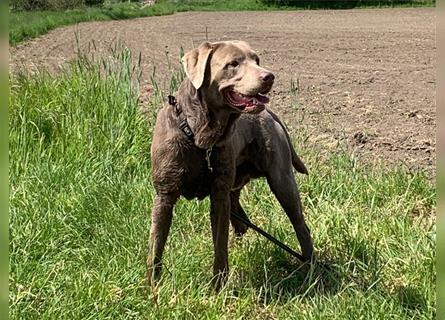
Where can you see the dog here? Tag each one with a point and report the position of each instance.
(212, 140)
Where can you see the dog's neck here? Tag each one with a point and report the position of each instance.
(210, 125)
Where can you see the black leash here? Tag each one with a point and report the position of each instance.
(269, 237)
(189, 133)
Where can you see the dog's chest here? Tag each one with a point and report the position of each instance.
(197, 178)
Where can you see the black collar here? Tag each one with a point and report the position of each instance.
(183, 124)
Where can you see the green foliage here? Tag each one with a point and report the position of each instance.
(345, 4)
(247, 4)
(46, 4)
(80, 198)
(19, 5)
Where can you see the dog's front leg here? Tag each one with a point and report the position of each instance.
(220, 216)
(161, 219)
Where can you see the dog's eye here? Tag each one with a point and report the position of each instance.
(233, 64)
(257, 60)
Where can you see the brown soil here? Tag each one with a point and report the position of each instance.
(363, 78)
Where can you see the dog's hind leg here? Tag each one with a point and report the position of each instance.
(285, 189)
(239, 228)
(161, 219)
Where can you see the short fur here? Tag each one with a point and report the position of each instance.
(246, 144)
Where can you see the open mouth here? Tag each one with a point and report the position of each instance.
(244, 102)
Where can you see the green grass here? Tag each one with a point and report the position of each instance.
(25, 25)
(80, 202)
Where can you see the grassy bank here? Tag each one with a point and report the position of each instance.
(30, 24)
(80, 198)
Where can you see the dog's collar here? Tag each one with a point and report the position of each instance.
(184, 126)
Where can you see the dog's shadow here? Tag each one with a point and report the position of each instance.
(282, 277)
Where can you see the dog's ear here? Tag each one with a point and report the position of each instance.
(195, 62)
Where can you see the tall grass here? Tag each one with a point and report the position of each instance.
(80, 198)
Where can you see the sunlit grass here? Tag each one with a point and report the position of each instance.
(80, 203)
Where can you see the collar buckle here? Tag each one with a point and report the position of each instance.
(184, 126)
(208, 155)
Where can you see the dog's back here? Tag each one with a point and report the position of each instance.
(263, 141)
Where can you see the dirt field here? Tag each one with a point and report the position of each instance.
(365, 78)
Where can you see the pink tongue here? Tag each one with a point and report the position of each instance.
(261, 98)
(248, 100)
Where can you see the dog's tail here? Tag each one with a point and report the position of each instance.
(296, 161)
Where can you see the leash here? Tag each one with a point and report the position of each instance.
(268, 236)
(184, 126)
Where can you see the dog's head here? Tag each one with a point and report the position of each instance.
(228, 74)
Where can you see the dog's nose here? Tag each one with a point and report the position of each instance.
(267, 77)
